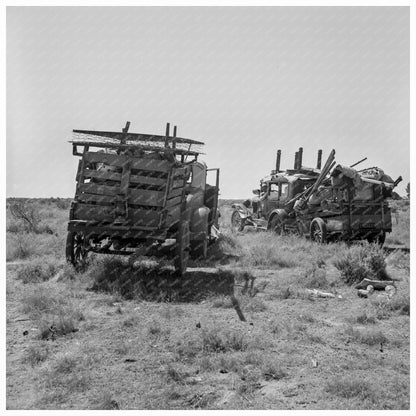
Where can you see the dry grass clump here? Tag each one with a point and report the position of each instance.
(399, 260)
(188, 346)
(105, 402)
(36, 353)
(371, 336)
(273, 370)
(314, 277)
(24, 245)
(40, 300)
(287, 329)
(268, 250)
(20, 246)
(66, 375)
(169, 311)
(228, 244)
(249, 381)
(215, 340)
(401, 224)
(176, 374)
(362, 261)
(351, 387)
(38, 270)
(400, 302)
(56, 315)
(155, 329)
(222, 301)
(364, 318)
(270, 257)
(252, 304)
(64, 322)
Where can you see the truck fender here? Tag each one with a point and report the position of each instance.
(199, 223)
(242, 210)
(281, 213)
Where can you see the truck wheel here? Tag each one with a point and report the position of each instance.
(237, 223)
(76, 249)
(318, 230)
(182, 248)
(276, 225)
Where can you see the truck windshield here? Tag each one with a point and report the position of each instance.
(198, 176)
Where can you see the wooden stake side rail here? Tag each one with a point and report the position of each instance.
(135, 217)
(116, 146)
(136, 136)
(121, 160)
(112, 196)
(125, 231)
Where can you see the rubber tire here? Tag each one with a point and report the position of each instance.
(276, 225)
(318, 231)
(199, 248)
(182, 248)
(77, 260)
(241, 222)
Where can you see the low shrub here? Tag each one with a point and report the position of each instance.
(56, 314)
(39, 270)
(65, 374)
(61, 324)
(39, 301)
(35, 354)
(268, 256)
(254, 305)
(349, 388)
(400, 302)
(368, 336)
(359, 262)
(19, 245)
(214, 340)
(249, 381)
(273, 370)
(399, 260)
(175, 374)
(222, 301)
(230, 364)
(364, 318)
(315, 277)
(154, 328)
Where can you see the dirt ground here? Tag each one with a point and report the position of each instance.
(181, 345)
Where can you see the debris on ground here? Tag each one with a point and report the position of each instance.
(319, 294)
(364, 293)
(377, 284)
(386, 286)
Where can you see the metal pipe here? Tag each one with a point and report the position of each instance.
(300, 157)
(174, 137)
(356, 163)
(319, 162)
(167, 134)
(279, 152)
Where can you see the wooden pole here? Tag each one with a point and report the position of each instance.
(319, 161)
(167, 134)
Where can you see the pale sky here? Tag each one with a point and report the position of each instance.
(245, 80)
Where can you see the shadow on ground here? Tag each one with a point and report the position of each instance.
(160, 284)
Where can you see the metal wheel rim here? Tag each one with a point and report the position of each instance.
(236, 220)
(80, 250)
(317, 233)
(277, 226)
